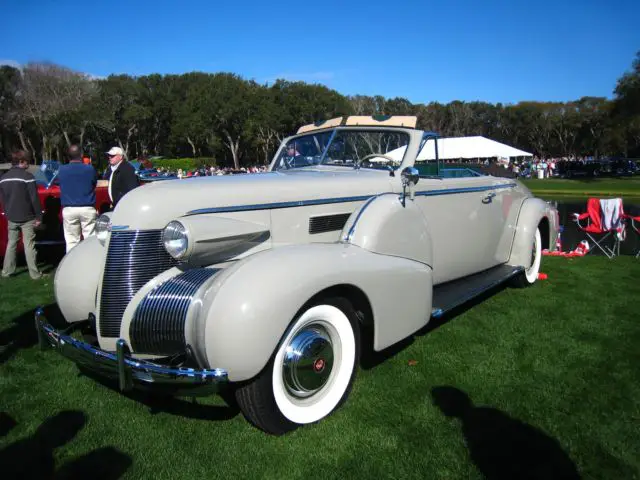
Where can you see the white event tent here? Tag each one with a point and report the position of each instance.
(455, 148)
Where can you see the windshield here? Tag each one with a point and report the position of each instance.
(364, 148)
(46, 172)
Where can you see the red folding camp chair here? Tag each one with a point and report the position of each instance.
(604, 220)
(635, 224)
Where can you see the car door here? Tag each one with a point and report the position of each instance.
(466, 221)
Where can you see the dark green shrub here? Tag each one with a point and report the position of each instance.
(184, 163)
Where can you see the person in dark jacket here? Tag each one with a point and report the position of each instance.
(19, 197)
(78, 197)
(121, 174)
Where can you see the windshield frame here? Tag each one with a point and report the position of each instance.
(411, 133)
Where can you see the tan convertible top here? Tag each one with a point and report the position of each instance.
(334, 122)
(383, 121)
(363, 120)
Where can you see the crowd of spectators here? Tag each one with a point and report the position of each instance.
(209, 171)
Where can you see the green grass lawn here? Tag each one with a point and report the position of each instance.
(624, 186)
(555, 369)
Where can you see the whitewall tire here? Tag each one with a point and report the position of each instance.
(311, 372)
(530, 274)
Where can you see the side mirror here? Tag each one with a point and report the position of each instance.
(410, 176)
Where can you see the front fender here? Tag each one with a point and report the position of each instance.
(249, 306)
(532, 213)
(77, 278)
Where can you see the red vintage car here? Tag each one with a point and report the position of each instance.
(50, 233)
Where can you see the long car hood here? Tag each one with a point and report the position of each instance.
(153, 205)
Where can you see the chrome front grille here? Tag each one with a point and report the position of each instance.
(133, 258)
(158, 326)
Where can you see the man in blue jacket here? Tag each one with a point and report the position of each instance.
(78, 198)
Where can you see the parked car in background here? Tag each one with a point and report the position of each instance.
(577, 169)
(50, 232)
(147, 173)
(618, 167)
(270, 286)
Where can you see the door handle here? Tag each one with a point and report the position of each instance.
(489, 198)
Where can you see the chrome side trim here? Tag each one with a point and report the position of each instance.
(450, 191)
(352, 230)
(276, 205)
(328, 201)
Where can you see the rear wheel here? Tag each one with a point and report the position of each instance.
(311, 372)
(530, 274)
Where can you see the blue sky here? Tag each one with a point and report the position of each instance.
(495, 51)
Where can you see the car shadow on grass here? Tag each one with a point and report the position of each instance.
(370, 359)
(187, 407)
(502, 447)
(22, 334)
(34, 456)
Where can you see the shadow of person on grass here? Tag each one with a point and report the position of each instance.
(33, 457)
(21, 334)
(7, 423)
(503, 447)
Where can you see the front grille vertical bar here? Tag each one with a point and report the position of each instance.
(134, 257)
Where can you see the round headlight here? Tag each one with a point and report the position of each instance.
(175, 239)
(103, 223)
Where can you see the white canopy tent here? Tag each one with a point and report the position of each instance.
(455, 148)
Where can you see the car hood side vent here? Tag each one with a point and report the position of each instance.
(328, 223)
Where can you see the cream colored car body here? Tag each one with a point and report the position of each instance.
(256, 230)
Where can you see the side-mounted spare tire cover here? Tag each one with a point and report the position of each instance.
(383, 225)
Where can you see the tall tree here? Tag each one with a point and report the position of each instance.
(627, 104)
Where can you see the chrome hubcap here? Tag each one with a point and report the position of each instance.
(308, 361)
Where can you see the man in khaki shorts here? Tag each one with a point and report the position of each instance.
(78, 198)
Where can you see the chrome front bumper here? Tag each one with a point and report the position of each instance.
(128, 371)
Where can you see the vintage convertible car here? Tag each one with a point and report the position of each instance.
(263, 286)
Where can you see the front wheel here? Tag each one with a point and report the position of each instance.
(530, 274)
(311, 372)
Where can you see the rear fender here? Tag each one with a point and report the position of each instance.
(532, 213)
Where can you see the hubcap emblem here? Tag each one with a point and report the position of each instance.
(318, 365)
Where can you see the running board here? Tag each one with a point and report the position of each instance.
(450, 295)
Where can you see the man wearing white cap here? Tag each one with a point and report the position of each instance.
(122, 175)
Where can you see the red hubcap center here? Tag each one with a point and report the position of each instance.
(318, 365)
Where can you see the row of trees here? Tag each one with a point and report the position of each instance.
(46, 107)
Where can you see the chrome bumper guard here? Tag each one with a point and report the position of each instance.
(128, 371)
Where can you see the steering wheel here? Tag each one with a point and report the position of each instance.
(378, 155)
